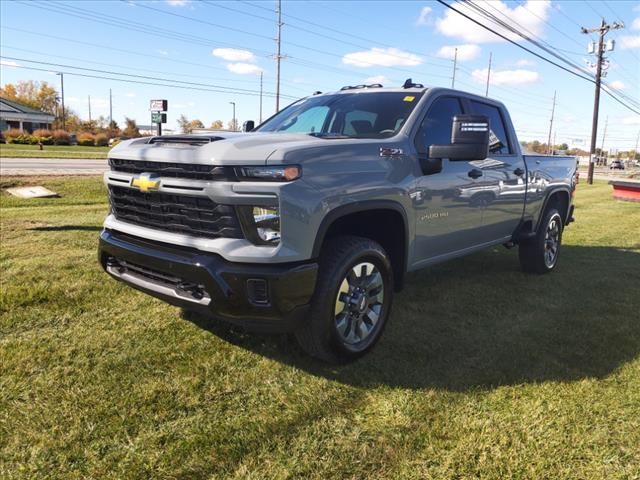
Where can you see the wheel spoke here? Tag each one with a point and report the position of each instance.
(373, 281)
(342, 324)
(373, 314)
(363, 329)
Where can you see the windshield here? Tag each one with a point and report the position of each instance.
(359, 115)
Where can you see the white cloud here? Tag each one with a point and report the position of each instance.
(530, 15)
(8, 63)
(244, 68)
(465, 52)
(617, 84)
(635, 25)
(382, 57)
(377, 79)
(233, 54)
(178, 3)
(525, 63)
(506, 77)
(629, 41)
(423, 18)
(129, 95)
(634, 120)
(163, 52)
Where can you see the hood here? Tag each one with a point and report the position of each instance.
(227, 148)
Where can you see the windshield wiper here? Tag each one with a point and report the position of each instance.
(328, 135)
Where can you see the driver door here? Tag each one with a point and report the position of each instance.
(446, 221)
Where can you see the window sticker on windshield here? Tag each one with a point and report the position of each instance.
(409, 98)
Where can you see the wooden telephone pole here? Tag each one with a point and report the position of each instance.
(602, 30)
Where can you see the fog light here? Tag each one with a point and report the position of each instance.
(261, 224)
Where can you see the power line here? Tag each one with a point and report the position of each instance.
(212, 87)
(534, 53)
(128, 52)
(139, 82)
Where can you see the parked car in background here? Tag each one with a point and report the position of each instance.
(616, 165)
(310, 222)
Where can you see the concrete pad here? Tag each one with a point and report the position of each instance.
(31, 192)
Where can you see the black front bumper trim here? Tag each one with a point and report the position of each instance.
(159, 269)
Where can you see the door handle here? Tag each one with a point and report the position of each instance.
(475, 173)
(519, 172)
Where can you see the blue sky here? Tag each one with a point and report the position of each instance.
(327, 45)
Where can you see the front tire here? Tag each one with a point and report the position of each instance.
(540, 254)
(352, 300)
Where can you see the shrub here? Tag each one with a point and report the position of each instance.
(60, 137)
(12, 135)
(86, 140)
(43, 136)
(102, 140)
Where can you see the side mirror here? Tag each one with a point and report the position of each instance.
(248, 126)
(469, 139)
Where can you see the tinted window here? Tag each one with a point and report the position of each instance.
(497, 127)
(436, 126)
(310, 120)
(365, 115)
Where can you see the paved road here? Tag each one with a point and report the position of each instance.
(51, 166)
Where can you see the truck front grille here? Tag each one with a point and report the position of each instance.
(190, 215)
(174, 170)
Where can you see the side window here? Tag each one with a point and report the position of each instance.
(309, 121)
(499, 142)
(436, 126)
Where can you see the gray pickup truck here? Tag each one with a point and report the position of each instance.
(309, 222)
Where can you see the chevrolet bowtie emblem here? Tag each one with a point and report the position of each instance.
(145, 183)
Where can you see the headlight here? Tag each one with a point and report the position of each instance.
(261, 225)
(284, 173)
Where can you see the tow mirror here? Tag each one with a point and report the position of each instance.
(469, 139)
(248, 126)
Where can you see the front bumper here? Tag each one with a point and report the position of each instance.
(265, 297)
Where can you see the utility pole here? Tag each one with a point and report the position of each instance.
(110, 110)
(278, 54)
(64, 123)
(260, 97)
(604, 134)
(455, 65)
(635, 152)
(553, 111)
(486, 93)
(233, 121)
(89, 108)
(602, 30)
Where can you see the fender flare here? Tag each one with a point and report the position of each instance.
(361, 206)
(546, 201)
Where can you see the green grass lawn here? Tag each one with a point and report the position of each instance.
(483, 371)
(52, 151)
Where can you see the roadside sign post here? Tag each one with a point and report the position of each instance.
(158, 110)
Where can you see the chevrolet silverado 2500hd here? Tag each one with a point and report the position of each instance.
(309, 222)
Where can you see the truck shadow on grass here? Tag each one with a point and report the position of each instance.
(479, 322)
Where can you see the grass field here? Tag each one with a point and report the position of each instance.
(483, 372)
(52, 151)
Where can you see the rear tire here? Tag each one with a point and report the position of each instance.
(351, 302)
(540, 253)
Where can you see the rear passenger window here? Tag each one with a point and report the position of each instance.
(436, 126)
(499, 142)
